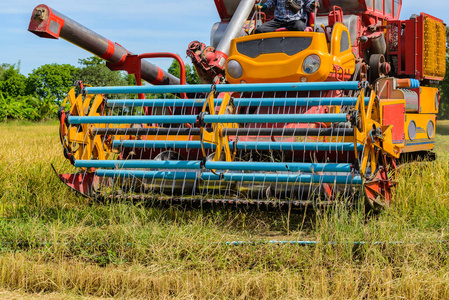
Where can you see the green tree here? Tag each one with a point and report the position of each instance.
(51, 80)
(191, 75)
(21, 107)
(12, 83)
(94, 71)
(3, 68)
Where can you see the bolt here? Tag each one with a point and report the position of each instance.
(385, 68)
(363, 39)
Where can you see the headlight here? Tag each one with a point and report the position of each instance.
(234, 69)
(311, 64)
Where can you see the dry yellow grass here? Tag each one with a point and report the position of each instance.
(136, 281)
(18, 295)
(56, 244)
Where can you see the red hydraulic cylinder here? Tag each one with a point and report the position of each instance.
(48, 23)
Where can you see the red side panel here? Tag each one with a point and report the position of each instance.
(348, 6)
(409, 47)
(394, 115)
(384, 9)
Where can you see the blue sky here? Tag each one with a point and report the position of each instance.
(139, 25)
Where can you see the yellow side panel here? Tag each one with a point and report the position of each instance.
(429, 100)
(419, 136)
(342, 57)
(434, 48)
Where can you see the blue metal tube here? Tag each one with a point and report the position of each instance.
(280, 146)
(212, 165)
(346, 101)
(242, 177)
(205, 88)
(165, 119)
(277, 118)
(161, 144)
(148, 174)
(304, 146)
(336, 101)
(181, 119)
(139, 164)
(313, 243)
(278, 167)
(298, 178)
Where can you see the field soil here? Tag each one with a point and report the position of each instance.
(55, 244)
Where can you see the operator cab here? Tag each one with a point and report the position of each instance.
(335, 44)
(291, 56)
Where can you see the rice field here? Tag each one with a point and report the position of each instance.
(57, 245)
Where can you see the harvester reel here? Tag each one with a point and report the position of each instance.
(282, 149)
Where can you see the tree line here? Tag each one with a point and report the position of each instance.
(37, 96)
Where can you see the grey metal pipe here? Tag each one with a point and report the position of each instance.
(235, 26)
(49, 23)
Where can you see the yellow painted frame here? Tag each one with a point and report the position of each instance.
(280, 67)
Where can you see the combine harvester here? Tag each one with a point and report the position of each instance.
(281, 119)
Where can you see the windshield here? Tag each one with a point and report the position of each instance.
(287, 45)
(346, 5)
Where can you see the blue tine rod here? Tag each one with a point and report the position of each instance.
(181, 119)
(346, 101)
(196, 165)
(280, 146)
(242, 177)
(205, 88)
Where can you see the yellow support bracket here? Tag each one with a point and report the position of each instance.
(79, 140)
(370, 133)
(216, 137)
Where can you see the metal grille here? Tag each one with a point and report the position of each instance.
(287, 45)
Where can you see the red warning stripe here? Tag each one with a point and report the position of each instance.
(159, 77)
(109, 52)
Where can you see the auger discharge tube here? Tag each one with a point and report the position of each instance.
(235, 25)
(48, 23)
